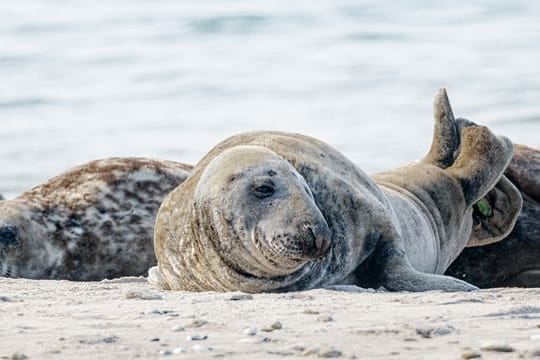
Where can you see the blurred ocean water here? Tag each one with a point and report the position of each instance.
(81, 80)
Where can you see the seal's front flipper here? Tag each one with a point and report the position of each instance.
(397, 274)
(155, 278)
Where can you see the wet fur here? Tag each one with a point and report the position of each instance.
(89, 223)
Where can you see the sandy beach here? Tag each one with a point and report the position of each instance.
(128, 318)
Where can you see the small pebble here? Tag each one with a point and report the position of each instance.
(310, 351)
(255, 340)
(157, 312)
(498, 347)
(325, 318)
(196, 323)
(154, 339)
(18, 356)
(178, 350)
(236, 297)
(249, 331)
(92, 340)
(5, 299)
(201, 348)
(280, 353)
(470, 354)
(311, 312)
(437, 331)
(275, 326)
(178, 328)
(196, 337)
(329, 353)
(142, 295)
(164, 352)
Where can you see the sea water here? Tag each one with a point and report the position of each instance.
(81, 80)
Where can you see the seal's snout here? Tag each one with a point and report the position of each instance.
(8, 235)
(318, 238)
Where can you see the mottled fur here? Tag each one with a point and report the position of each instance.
(400, 229)
(92, 222)
(513, 261)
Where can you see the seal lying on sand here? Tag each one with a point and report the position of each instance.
(274, 211)
(513, 261)
(92, 222)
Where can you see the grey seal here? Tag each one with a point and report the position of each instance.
(512, 261)
(275, 211)
(92, 222)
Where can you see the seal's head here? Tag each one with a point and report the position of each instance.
(262, 217)
(13, 243)
(9, 241)
(24, 247)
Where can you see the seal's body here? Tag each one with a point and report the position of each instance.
(92, 222)
(274, 211)
(513, 261)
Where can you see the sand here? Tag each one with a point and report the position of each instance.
(127, 318)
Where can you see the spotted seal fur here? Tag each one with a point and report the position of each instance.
(514, 260)
(92, 222)
(275, 211)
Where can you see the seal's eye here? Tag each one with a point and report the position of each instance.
(8, 235)
(264, 191)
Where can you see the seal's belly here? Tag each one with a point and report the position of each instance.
(417, 232)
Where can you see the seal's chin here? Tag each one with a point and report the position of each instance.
(276, 260)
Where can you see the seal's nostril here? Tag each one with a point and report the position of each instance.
(318, 239)
(8, 235)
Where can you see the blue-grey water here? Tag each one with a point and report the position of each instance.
(81, 80)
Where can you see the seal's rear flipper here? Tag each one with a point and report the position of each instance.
(482, 159)
(445, 133)
(495, 214)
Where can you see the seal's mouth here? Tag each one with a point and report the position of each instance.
(5, 270)
(284, 251)
(277, 257)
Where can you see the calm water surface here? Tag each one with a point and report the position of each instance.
(81, 80)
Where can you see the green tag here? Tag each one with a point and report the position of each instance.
(484, 208)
